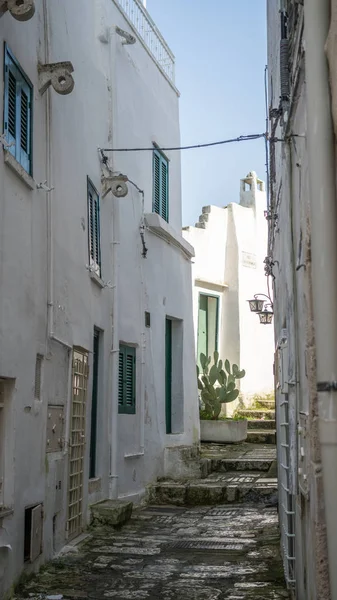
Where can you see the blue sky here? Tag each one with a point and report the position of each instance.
(220, 50)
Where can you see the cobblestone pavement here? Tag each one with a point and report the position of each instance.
(244, 450)
(169, 553)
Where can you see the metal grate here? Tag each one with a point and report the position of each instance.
(77, 442)
(286, 498)
(195, 545)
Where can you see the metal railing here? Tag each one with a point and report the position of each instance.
(140, 20)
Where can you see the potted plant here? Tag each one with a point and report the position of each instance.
(217, 387)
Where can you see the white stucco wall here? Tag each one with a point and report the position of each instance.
(290, 250)
(120, 97)
(229, 254)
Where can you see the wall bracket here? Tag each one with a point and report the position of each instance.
(58, 75)
(21, 10)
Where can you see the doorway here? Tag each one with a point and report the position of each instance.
(77, 442)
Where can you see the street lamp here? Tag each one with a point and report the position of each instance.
(266, 317)
(262, 305)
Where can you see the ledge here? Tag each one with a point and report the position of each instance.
(19, 170)
(96, 279)
(210, 284)
(162, 229)
(134, 455)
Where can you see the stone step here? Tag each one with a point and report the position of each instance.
(222, 465)
(261, 424)
(269, 404)
(111, 512)
(261, 436)
(225, 489)
(256, 413)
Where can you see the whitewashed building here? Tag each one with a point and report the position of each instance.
(230, 247)
(97, 370)
(302, 250)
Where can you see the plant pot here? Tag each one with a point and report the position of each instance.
(223, 431)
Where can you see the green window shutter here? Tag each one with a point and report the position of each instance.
(10, 121)
(160, 185)
(18, 112)
(94, 234)
(127, 380)
(156, 182)
(164, 189)
(121, 378)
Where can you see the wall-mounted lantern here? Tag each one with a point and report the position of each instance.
(263, 306)
(266, 317)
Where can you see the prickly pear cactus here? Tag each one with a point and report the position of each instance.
(217, 384)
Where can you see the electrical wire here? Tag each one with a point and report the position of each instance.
(241, 138)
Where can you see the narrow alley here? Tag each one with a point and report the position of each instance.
(227, 549)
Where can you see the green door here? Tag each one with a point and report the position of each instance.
(168, 375)
(208, 317)
(202, 326)
(93, 432)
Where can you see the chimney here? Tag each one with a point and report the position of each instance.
(252, 191)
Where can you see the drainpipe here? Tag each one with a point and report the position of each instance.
(322, 169)
(49, 200)
(114, 353)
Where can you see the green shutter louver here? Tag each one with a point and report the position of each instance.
(94, 229)
(156, 183)
(18, 94)
(127, 380)
(160, 185)
(121, 378)
(11, 104)
(24, 122)
(164, 191)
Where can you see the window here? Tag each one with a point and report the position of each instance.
(94, 234)
(18, 96)
(33, 532)
(127, 380)
(160, 185)
(37, 382)
(207, 325)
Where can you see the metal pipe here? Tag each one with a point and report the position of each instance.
(49, 198)
(114, 353)
(322, 170)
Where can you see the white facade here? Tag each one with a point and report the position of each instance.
(230, 246)
(50, 298)
(303, 498)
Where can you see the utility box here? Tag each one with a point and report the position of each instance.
(55, 422)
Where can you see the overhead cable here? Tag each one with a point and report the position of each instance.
(241, 138)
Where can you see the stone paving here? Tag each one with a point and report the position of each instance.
(170, 553)
(244, 450)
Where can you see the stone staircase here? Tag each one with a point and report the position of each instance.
(232, 473)
(261, 422)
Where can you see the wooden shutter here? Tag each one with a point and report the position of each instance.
(17, 112)
(127, 380)
(94, 233)
(156, 182)
(121, 378)
(164, 189)
(10, 118)
(160, 185)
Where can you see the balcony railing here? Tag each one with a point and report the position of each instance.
(140, 20)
